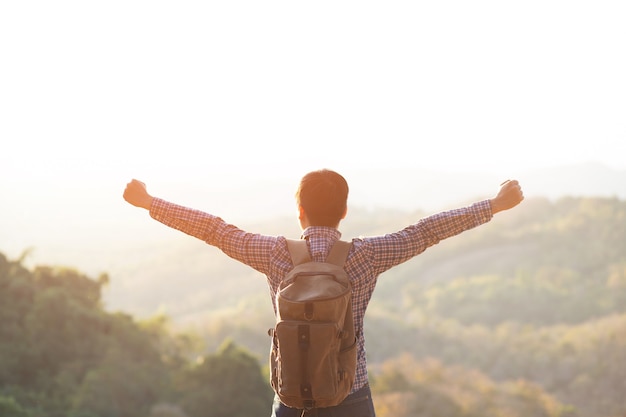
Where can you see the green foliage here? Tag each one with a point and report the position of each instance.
(543, 264)
(229, 383)
(549, 296)
(123, 383)
(62, 355)
(10, 408)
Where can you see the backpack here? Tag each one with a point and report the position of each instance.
(313, 355)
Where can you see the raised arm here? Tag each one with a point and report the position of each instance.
(137, 194)
(509, 196)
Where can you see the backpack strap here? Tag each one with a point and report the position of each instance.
(339, 253)
(299, 252)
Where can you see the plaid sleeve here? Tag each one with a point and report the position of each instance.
(252, 249)
(392, 249)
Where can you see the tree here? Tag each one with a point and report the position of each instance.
(10, 408)
(230, 383)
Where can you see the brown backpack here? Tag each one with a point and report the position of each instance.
(313, 356)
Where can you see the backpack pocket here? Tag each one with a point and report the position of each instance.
(307, 363)
(347, 366)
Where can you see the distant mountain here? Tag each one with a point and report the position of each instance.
(578, 180)
(418, 189)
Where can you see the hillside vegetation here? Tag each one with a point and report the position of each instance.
(523, 316)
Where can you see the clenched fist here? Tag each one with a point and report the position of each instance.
(137, 194)
(509, 196)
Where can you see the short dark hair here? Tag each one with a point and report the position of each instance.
(323, 195)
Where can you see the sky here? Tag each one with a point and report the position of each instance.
(202, 96)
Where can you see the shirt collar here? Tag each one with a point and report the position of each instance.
(321, 231)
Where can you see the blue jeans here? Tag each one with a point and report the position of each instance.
(357, 404)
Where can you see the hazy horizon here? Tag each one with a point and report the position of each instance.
(96, 222)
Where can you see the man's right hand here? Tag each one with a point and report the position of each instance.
(137, 194)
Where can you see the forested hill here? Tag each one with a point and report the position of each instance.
(525, 315)
(539, 295)
(545, 263)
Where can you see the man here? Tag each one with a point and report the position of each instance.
(322, 204)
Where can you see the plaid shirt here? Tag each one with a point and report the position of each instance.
(368, 258)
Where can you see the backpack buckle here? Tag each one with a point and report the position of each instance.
(308, 311)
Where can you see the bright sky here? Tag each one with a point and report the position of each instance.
(202, 92)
